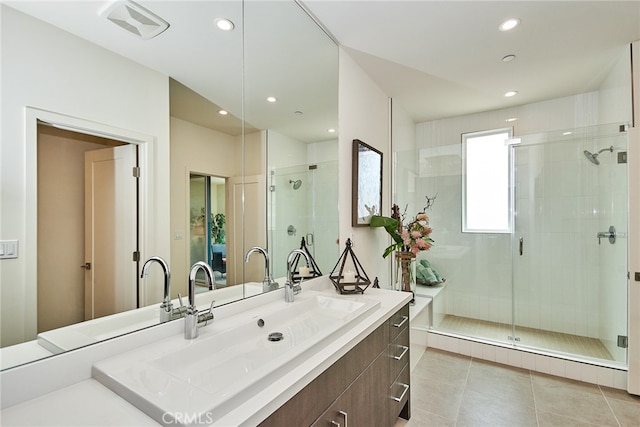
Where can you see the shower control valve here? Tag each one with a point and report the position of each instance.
(611, 235)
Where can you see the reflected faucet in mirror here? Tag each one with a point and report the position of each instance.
(290, 288)
(193, 320)
(167, 312)
(268, 284)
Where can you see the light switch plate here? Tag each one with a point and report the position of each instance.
(8, 249)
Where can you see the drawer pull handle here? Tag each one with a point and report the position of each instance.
(404, 320)
(346, 421)
(404, 351)
(406, 388)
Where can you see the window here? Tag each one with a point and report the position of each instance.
(485, 182)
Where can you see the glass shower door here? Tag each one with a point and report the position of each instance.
(569, 205)
(300, 203)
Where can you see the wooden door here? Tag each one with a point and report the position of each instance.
(110, 231)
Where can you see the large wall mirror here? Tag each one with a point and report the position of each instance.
(211, 185)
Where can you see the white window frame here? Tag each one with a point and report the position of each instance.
(502, 179)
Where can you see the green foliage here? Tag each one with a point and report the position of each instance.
(391, 225)
(217, 228)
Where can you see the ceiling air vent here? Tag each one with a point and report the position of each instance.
(135, 19)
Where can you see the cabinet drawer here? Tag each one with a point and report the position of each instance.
(398, 322)
(399, 393)
(399, 354)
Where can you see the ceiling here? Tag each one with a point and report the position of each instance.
(444, 58)
(435, 58)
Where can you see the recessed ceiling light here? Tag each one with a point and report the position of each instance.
(511, 119)
(511, 93)
(566, 133)
(332, 130)
(508, 58)
(223, 112)
(272, 99)
(224, 24)
(509, 24)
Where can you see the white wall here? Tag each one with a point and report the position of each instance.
(46, 68)
(406, 173)
(364, 115)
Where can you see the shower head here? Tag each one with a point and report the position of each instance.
(593, 158)
(296, 184)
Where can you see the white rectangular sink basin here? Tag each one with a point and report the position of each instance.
(231, 360)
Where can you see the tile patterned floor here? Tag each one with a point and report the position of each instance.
(555, 341)
(453, 390)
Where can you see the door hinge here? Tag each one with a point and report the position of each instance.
(623, 341)
(136, 256)
(136, 172)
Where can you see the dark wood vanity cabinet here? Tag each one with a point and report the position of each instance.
(368, 386)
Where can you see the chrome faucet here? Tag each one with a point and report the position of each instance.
(167, 312)
(194, 319)
(289, 286)
(268, 284)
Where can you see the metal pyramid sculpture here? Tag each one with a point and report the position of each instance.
(314, 270)
(349, 281)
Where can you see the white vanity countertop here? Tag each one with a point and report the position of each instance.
(22, 353)
(88, 403)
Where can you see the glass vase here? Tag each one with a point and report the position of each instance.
(406, 276)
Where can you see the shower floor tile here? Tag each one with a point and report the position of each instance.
(554, 341)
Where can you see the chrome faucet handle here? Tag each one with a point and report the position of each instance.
(178, 312)
(206, 316)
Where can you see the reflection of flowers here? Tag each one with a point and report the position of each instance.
(414, 237)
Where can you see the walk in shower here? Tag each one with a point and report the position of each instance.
(302, 203)
(557, 280)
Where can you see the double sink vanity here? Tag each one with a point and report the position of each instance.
(323, 359)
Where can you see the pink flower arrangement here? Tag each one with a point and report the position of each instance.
(414, 237)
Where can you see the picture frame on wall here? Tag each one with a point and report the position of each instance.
(366, 183)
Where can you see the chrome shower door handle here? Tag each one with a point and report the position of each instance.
(521, 246)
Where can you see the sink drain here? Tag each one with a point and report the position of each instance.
(276, 336)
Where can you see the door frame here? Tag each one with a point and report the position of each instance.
(147, 149)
